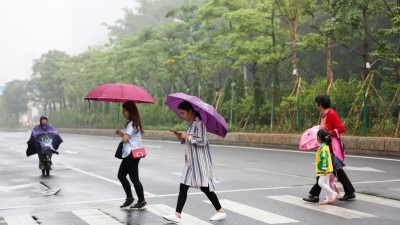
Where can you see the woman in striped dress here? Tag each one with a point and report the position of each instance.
(197, 172)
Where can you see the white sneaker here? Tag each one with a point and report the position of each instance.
(172, 218)
(218, 216)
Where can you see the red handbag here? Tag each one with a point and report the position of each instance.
(139, 153)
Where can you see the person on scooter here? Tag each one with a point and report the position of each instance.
(43, 129)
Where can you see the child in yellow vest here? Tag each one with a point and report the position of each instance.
(324, 167)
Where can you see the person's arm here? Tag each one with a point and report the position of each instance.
(200, 138)
(336, 124)
(126, 134)
(324, 158)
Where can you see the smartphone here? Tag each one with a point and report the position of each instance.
(173, 131)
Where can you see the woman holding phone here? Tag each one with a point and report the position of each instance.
(197, 172)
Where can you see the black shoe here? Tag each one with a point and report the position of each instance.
(347, 197)
(139, 206)
(311, 199)
(128, 202)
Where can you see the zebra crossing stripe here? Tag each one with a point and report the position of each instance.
(330, 209)
(254, 213)
(378, 200)
(20, 220)
(96, 217)
(162, 210)
(215, 179)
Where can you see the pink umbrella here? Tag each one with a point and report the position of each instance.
(308, 139)
(119, 93)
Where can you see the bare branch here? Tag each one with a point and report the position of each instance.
(313, 25)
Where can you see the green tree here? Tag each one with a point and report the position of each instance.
(15, 98)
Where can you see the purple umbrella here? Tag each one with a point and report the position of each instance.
(214, 122)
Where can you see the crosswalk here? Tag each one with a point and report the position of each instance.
(233, 208)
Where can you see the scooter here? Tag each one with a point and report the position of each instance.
(45, 164)
(47, 151)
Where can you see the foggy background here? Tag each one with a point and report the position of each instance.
(33, 27)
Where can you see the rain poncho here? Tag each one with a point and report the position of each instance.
(43, 138)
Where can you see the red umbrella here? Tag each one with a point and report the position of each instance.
(119, 93)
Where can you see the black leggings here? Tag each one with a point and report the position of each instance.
(131, 167)
(183, 189)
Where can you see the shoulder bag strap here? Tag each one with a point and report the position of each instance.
(337, 134)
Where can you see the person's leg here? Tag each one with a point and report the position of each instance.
(345, 181)
(133, 171)
(213, 198)
(183, 189)
(316, 189)
(122, 172)
(176, 217)
(323, 182)
(314, 193)
(347, 186)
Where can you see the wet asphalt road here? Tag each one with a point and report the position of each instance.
(256, 186)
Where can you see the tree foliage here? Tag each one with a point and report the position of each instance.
(201, 47)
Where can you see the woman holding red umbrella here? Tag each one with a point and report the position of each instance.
(197, 172)
(131, 138)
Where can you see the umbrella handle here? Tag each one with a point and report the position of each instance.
(119, 108)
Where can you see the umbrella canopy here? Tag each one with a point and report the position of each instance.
(213, 121)
(308, 139)
(119, 93)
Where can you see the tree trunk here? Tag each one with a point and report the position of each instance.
(329, 77)
(293, 36)
(365, 41)
(276, 66)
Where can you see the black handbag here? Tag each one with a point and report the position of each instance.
(118, 153)
(337, 164)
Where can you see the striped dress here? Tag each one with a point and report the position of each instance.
(198, 167)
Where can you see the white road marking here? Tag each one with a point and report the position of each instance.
(100, 177)
(375, 181)
(372, 199)
(366, 169)
(330, 209)
(96, 217)
(71, 152)
(378, 200)
(151, 146)
(254, 213)
(265, 171)
(20, 220)
(180, 174)
(394, 189)
(41, 188)
(11, 188)
(186, 219)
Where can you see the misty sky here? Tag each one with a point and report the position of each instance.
(32, 27)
